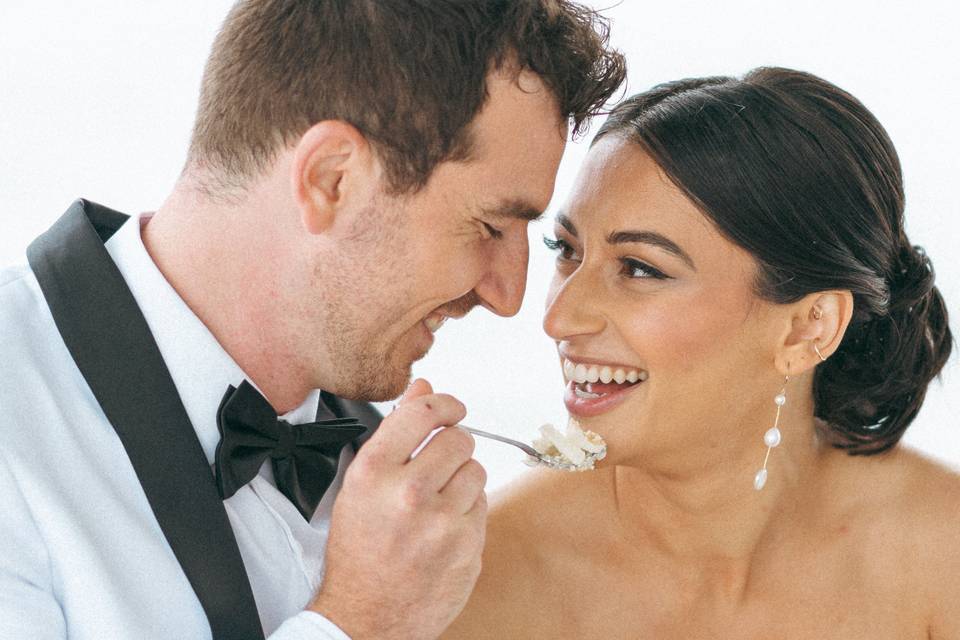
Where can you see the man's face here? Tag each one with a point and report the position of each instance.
(459, 242)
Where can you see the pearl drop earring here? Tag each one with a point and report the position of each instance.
(772, 437)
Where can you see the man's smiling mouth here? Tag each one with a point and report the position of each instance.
(434, 321)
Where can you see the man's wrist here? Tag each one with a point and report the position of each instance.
(324, 607)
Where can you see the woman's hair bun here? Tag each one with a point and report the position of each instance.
(873, 386)
(912, 278)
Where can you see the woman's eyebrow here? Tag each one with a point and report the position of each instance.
(567, 224)
(652, 238)
(626, 237)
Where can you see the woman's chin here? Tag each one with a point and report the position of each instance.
(610, 417)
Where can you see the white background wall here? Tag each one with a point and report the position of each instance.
(97, 99)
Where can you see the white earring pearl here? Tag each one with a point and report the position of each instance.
(772, 437)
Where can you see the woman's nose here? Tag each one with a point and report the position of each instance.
(574, 306)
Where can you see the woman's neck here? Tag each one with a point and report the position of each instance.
(716, 521)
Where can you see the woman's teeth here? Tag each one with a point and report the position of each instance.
(586, 395)
(581, 373)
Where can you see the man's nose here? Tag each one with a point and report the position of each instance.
(504, 280)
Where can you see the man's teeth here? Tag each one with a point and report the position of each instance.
(434, 321)
(581, 373)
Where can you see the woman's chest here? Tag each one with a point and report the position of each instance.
(823, 599)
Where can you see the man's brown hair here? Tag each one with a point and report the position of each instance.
(410, 75)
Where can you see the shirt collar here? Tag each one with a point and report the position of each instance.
(200, 367)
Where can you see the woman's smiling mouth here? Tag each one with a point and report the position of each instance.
(434, 321)
(593, 389)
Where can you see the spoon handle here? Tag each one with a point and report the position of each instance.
(520, 445)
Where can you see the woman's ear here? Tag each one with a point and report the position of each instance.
(333, 167)
(817, 324)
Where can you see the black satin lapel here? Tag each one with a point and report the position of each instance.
(365, 412)
(112, 346)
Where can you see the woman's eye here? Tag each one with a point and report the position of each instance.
(634, 268)
(562, 247)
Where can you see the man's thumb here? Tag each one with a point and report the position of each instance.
(417, 388)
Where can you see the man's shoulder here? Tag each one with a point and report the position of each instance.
(12, 274)
(23, 312)
(36, 365)
(25, 320)
(16, 283)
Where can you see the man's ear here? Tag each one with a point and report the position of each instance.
(333, 168)
(817, 322)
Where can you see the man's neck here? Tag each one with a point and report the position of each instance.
(228, 269)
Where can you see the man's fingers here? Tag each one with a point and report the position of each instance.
(411, 422)
(466, 486)
(478, 512)
(442, 457)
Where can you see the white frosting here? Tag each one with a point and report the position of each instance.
(575, 450)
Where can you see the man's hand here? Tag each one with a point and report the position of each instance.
(406, 535)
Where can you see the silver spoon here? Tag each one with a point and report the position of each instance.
(538, 458)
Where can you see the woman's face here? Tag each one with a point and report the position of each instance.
(644, 283)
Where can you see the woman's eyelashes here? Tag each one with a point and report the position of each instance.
(632, 268)
(561, 247)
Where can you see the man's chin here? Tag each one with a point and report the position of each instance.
(381, 377)
(387, 384)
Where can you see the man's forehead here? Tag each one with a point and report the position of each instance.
(517, 141)
(518, 104)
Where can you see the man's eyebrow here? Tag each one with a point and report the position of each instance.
(514, 209)
(651, 238)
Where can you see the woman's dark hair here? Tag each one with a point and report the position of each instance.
(800, 174)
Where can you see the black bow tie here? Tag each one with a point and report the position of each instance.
(304, 456)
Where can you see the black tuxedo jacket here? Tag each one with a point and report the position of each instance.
(108, 338)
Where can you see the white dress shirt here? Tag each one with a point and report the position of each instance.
(81, 553)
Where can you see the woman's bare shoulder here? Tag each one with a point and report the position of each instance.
(916, 500)
(902, 491)
(518, 507)
(508, 572)
(513, 587)
(933, 491)
(928, 492)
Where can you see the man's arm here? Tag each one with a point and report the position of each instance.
(28, 608)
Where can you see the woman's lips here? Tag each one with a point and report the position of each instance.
(609, 397)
